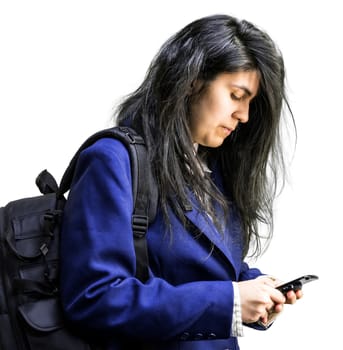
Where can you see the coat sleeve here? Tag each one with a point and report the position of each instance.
(248, 273)
(98, 289)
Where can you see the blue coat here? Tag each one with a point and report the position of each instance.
(188, 301)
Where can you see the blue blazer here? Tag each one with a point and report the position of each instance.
(186, 304)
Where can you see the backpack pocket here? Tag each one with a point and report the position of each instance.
(43, 325)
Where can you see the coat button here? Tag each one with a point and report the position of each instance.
(212, 336)
(198, 336)
(184, 336)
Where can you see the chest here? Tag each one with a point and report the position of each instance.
(183, 255)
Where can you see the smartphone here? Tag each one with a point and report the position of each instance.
(296, 284)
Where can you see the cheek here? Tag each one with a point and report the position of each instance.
(197, 128)
(206, 115)
(197, 119)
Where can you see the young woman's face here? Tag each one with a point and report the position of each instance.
(221, 106)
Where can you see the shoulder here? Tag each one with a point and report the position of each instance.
(105, 156)
(107, 148)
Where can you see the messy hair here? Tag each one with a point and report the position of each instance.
(251, 158)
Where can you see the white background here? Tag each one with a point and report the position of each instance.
(64, 65)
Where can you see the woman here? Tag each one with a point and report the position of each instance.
(209, 110)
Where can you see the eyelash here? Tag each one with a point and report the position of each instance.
(236, 98)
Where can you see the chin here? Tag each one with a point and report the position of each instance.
(211, 142)
(215, 144)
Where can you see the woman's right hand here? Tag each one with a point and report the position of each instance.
(259, 298)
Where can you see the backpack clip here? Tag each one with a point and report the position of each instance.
(139, 225)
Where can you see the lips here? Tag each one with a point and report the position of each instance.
(227, 130)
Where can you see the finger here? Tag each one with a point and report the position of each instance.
(264, 319)
(277, 297)
(299, 294)
(278, 308)
(291, 297)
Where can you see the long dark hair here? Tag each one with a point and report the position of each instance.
(251, 159)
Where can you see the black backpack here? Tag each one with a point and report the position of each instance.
(30, 313)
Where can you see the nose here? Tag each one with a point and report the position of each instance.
(242, 114)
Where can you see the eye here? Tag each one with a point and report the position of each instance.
(236, 97)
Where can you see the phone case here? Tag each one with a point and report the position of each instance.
(296, 284)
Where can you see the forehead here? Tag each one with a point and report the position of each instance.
(248, 81)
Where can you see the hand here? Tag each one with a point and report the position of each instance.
(291, 298)
(260, 299)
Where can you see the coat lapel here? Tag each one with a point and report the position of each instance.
(227, 243)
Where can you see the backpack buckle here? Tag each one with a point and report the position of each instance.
(139, 225)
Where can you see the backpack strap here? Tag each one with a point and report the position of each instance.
(145, 196)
